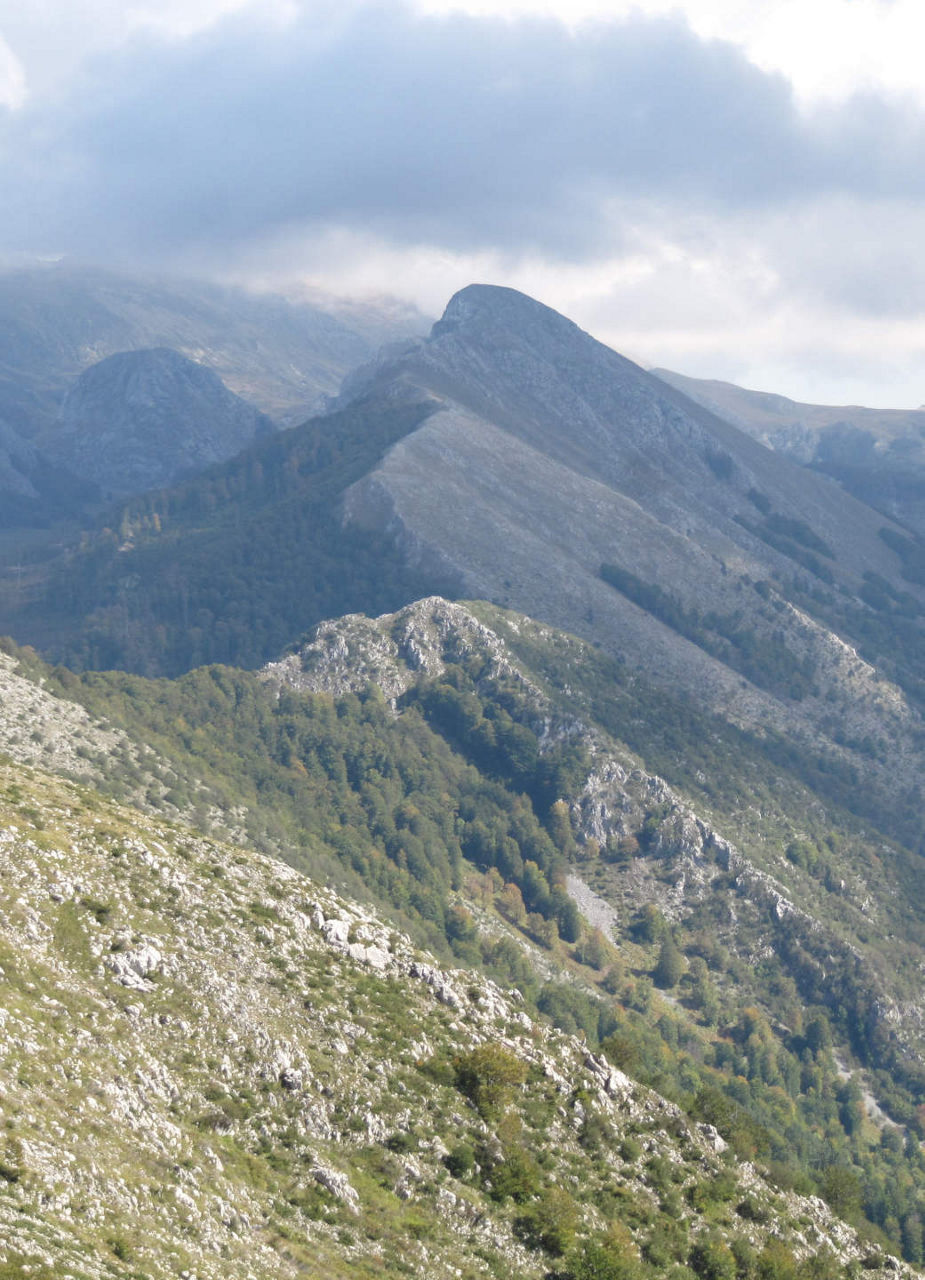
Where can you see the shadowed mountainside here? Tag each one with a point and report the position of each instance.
(876, 454)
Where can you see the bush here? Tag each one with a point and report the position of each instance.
(488, 1076)
(670, 965)
(609, 1257)
(549, 1224)
(712, 1259)
(515, 1176)
(461, 1160)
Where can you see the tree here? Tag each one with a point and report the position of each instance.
(550, 1223)
(841, 1189)
(650, 925)
(511, 904)
(712, 1259)
(670, 964)
(609, 1257)
(567, 916)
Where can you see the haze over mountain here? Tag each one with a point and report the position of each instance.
(143, 419)
(284, 357)
(876, 454)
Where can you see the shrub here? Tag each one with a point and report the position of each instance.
(488, 1076)
(549, 1224)
(609, 1257)
(712, 1259)
(461, 1160)
(670, 965)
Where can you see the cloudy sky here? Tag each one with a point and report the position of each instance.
(730, 188)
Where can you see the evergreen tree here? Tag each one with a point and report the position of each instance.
(670, 964)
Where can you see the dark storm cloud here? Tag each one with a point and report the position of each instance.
(463, 132)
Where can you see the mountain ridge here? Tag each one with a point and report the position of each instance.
(561, 480)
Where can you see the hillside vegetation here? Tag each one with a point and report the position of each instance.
(212, 1066)
(518, 758)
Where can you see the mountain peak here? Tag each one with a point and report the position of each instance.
(142, 418)
(480, 305)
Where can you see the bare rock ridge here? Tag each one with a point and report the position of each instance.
(142, 419)
(345, 655)
(550, 456)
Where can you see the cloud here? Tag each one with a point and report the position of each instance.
(464, 132)
(656, 185)
(12, 78)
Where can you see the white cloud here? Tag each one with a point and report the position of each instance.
(827, 49)
(646, 177)
(12, 78)
(730, 299)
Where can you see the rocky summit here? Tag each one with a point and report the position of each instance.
(558, 478)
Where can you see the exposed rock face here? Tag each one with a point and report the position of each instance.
(142, 419)
(347, 654)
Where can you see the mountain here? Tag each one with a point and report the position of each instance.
(142, 419)
(212, 1066)
(298, 1084)
(512, 457)
(283, 356)
(579, 940)
(876, 454)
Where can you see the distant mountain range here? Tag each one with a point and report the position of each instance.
(513, 458)
(284, 357)
(876, 454)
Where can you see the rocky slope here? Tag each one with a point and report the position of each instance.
(143, 419)
(212, 1067)
(284, 1107)
(877, 454)
(758, 899)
